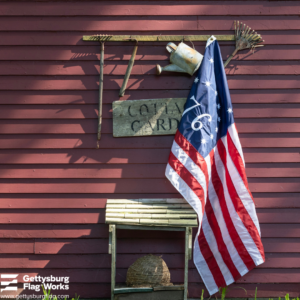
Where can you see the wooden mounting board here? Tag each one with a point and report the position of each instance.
(147, 117)
(155, 38)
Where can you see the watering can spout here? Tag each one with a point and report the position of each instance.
(169, 68)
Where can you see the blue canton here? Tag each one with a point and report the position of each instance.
(208, 109)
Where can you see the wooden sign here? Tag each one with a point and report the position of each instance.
(147, 117)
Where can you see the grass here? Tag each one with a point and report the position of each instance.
(223, 292)
(49, 296)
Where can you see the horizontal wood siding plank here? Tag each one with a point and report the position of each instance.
(87, 141)
(130, 171)
(111, 186)
(88, 216)
(91, 97)
(89, 111)
(85, 126)
(105, 24)
(85, 246)
(72, 231)
(17, 201)
(170, 8)
(135, 156)
(140, 68)
(75, 83)
(90, 231)
(94, 261)
(91, 52)
(17, 246)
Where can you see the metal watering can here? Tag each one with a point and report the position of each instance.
(183, 59)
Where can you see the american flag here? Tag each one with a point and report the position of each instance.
(206, 165)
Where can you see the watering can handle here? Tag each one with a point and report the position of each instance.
(184, 39)
(171, 47)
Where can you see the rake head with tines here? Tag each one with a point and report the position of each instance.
(245, 39)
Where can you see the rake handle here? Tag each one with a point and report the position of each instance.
(230, 57)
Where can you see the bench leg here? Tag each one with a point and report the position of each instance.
(186, 260)
(113, 248)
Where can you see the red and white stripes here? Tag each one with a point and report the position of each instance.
(228, 243)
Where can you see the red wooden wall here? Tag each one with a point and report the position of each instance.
(54, 182)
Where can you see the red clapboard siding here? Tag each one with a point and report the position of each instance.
(140, 68)
(86, 126)
(91, 97)
(90, 52)
(167, 82)
(145, 23)
(25, 231)
(111, 186)
(164, 82)
(130, 171)
(173, 8)
(73, 261)
(93, 216)
(32, 38)
(54, 182)
(278, 140)
(90, 111)
(17, 246)
(135, 156)
(55, 216)
(13, 201)
(156, 246)
(101, 231)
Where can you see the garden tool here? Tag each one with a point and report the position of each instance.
(244, 39)
(100, 92)
(129, 68)
(183, 59)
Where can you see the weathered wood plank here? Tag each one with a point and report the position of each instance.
(55, 68)
(139, 8)
(64, 97)
(160, 186)
(121, 220)
(137, 216)
(129, 156)
(127, 290)
(147, 117)
(87, 141)
(155, 38)
(145, 23)
(170, 82)
(154, 222)
(87, 126)
(125, 171)
(90, 52)
(155, 228)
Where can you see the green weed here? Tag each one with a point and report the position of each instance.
(48, 296)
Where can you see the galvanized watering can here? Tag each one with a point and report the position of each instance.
(183, 59)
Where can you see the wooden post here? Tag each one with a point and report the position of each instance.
(186, 261)
(190, 242)
(112, 229)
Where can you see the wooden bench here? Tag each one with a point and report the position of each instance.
(149, 214)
